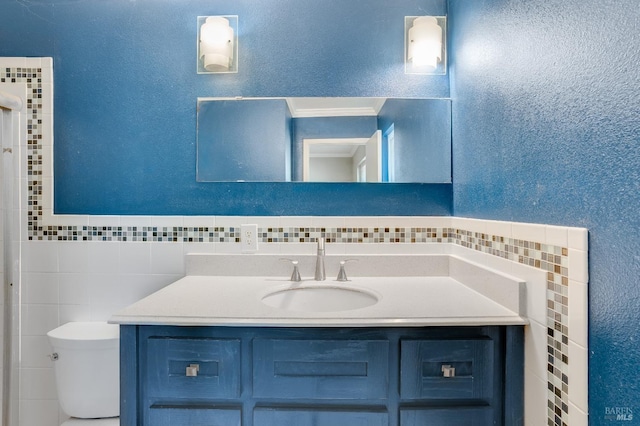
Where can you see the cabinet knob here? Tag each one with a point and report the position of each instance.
(448, 371)
(192, 370)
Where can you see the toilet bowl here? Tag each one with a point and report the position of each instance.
(113, 421)
(87, 372)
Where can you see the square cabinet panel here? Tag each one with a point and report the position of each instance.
(193, 368)
(183, 416)
(458, 416)
(323, 369)
(318, 417)
(447, 369)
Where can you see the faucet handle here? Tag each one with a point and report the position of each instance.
(342, 274)
(295, 275)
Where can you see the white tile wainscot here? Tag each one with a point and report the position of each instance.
(96, 295)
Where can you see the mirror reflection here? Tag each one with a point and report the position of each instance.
(324, 140)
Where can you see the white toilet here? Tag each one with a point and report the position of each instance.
(87, 372)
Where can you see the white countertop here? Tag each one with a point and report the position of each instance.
(204, 300)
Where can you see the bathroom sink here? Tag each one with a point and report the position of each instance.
(320, 298)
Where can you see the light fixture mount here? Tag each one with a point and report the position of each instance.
(425, 49)
(217, 44)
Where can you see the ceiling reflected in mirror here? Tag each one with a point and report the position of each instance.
(335, 107)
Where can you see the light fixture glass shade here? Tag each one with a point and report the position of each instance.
(424, 44)
(217, 44)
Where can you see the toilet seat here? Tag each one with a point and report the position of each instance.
(111, 421)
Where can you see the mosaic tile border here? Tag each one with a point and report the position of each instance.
(554, 260)
(549, 258)
(32, 78)
(219, 234)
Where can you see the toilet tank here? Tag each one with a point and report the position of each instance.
(87, 369)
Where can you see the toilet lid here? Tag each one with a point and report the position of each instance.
(112, 421)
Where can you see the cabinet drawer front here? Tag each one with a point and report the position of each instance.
(189, 416)
(335, 369)
(214, 366)
(426, 363)
(302, 417)
(459, 416)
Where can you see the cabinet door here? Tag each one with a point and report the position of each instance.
(447, 369)
(322, 369)
(459, 416)
(193, 368)
(311, 417)
(189, 416)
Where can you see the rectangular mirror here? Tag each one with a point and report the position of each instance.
(324, 140)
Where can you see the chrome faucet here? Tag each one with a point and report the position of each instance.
(295, 275)
(320, 274)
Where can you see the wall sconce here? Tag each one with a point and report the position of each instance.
(425, 44)
(217, 44)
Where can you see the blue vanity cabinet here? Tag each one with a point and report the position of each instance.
(265, 376)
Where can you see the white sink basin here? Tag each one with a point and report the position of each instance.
(320, 298)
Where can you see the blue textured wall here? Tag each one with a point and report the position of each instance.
(243, 140)
(422, 133)
(546, 114)
(126, 89)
